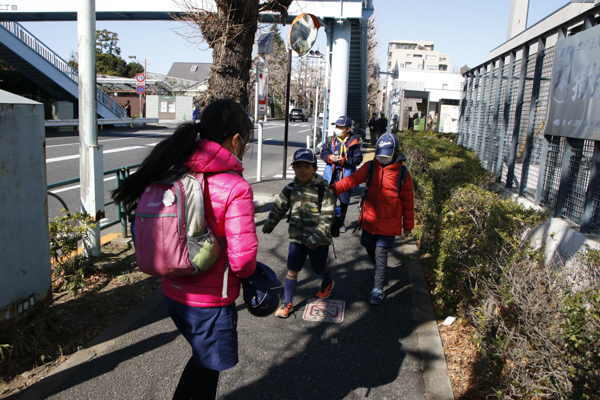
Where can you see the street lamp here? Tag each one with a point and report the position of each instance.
(145, 78)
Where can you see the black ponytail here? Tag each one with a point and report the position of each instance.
(221, 119)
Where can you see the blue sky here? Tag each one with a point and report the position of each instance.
(466, 30)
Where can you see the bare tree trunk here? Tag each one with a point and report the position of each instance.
(229, 31)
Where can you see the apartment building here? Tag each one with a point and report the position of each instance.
(416, 55)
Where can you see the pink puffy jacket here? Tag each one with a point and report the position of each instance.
(229, 210)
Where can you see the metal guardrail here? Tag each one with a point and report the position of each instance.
(102, 121)
(121, 174)
(54, 59)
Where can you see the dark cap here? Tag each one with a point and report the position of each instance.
(305, 155)
(343, 121)
(386, 145)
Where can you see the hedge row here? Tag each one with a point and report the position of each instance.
(537, 327)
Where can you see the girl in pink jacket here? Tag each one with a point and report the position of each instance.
(197, 305)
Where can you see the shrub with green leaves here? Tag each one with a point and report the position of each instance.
(581, 327)
(479, 232)
(438, 166)
(66, 232)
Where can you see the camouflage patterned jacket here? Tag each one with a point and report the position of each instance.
(307, 224)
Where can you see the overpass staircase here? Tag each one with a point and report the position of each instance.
(32, 58)
(356, 103)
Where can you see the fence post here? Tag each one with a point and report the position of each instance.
(519, 109)
(506, 116)
(562, 33)
(537, 77)
(487, 93)
(464, 103)
(496, 114)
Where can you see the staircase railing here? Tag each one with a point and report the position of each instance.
(54, 59)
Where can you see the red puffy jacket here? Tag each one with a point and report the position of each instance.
(384, 213)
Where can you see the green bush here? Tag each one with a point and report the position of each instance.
(66, 232)
(479, 232)
(438, 167)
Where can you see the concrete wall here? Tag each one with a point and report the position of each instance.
(25, 267)
(183, 108)
(152, 106)
(561, 239)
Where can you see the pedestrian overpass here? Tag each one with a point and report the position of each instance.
(344, 22)
(29, 56)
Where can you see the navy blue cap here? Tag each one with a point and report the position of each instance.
(386, 145)
(262, 291)
(305, 155)
(343, 121)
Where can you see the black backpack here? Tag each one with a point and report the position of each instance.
(337, 222)
(289, 188)
(401, 178)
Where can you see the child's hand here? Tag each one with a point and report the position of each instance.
(407, 233)
(332, 188)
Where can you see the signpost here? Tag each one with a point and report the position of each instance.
(140, 80)
(302, 37)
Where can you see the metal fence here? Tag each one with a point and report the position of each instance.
(120, 174)
(503, 119)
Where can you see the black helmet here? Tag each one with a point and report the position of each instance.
(262, 291)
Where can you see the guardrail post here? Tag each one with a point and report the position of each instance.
(259, 152)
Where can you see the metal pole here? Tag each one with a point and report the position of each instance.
(316, 121)
(91, 167)
(287, 113)
(256, 93)
(143, 112)
(259, 152)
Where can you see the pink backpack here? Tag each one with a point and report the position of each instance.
(172, 237)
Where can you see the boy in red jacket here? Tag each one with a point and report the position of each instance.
(387, 206)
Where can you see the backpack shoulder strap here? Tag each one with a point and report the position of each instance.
(288, 192)
(371, 167)
(321, 195)
(401, 179)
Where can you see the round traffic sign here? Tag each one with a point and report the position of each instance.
(140, 89)
(140, 77)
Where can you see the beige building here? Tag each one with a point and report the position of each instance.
(416, 55)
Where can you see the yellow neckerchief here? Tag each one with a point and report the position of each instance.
(343, 149)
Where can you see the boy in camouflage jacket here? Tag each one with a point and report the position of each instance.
(311, 218)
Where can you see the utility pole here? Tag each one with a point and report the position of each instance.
(91, 164)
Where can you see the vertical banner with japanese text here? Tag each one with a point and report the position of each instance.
(262, 87)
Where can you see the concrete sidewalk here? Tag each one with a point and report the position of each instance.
(389, 351)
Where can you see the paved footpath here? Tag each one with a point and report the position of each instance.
(389, 351)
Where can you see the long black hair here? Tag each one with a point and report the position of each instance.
(220, 120)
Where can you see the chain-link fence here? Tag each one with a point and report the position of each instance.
(503, 120)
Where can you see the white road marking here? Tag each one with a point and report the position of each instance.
(118, 150)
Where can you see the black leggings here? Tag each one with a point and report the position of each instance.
(197, 383)
(343, 210)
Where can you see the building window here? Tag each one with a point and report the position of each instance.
(409, 55)
(418, 55)
(443, 67)
(432, 67)
(429, 57)
(408, 65)
(444, 86)
(194, 68)
(402, 65)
